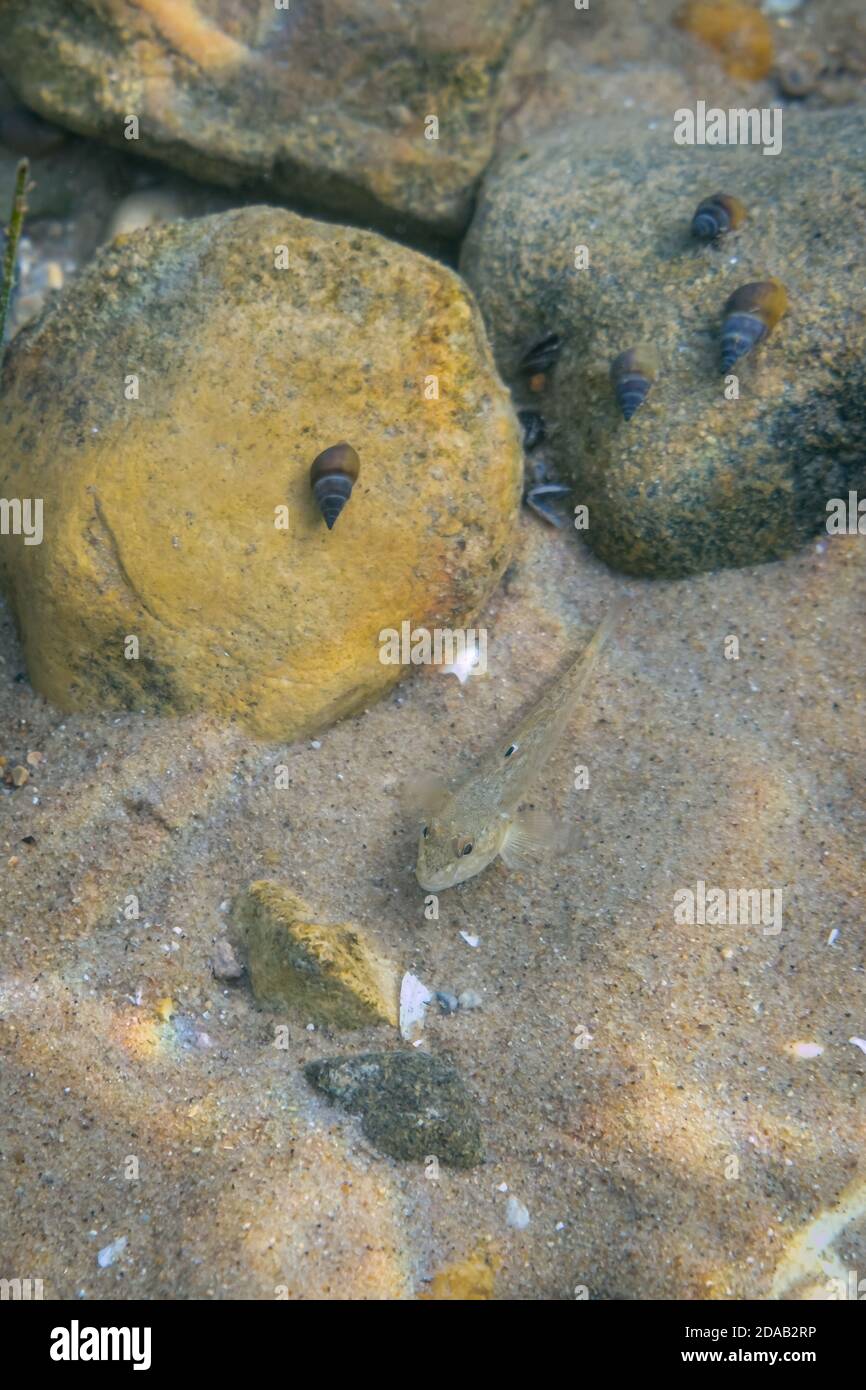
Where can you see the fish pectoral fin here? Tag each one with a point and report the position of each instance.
(531, 838)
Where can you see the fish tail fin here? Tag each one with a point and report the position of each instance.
(586, 663)
(607, 625)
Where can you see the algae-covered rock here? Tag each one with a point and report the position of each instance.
(328, 974)
(694, 481)
(167, 409)
(413, 1106)
(328, 100)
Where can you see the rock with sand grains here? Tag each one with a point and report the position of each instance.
(412, 1105)
(329, 974)
(575, 237)
(328, 102)
(167, 408)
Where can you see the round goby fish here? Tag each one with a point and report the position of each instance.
(467, 828)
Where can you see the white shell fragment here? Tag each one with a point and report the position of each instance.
(468, 663)
(516, 1214)
(414, 998)
(109, 1253)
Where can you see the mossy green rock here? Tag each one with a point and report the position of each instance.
(694, 481)
(413, 1106)
(329, 974)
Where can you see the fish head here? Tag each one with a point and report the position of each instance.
(450, 852)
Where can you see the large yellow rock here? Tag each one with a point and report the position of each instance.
(160, 511)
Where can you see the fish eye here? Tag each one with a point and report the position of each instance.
(463, 846)
(425, 831)
(512, 748)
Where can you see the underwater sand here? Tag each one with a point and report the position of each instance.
(743, 773)
(683, 1149)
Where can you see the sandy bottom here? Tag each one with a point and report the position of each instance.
(639, 1080)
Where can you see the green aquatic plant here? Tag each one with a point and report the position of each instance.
(13, 236)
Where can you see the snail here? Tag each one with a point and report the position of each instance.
(533, 429)
(332, 476)
(750, 314)
(716, 215)
(541, 356)
(632, 375)
(539, 496)
(538, 359)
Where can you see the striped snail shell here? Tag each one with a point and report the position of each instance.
(750, 314)
(540, 356)
(716, 215)
(533, 429)
(332, 476)
(632, 375)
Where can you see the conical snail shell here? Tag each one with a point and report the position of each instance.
(750, 314)
(332, 475)
(632, 375)
(533, 429)
(542, 354)
(721, 213)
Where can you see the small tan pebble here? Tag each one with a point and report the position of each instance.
(54, 277)
(13, 862)
(145, 209)
(34, 759)
(27, 307)
(19, 776)
(400, 114)
(3, 762)
(224, 963)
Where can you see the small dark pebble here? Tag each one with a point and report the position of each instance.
(447, 1001)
